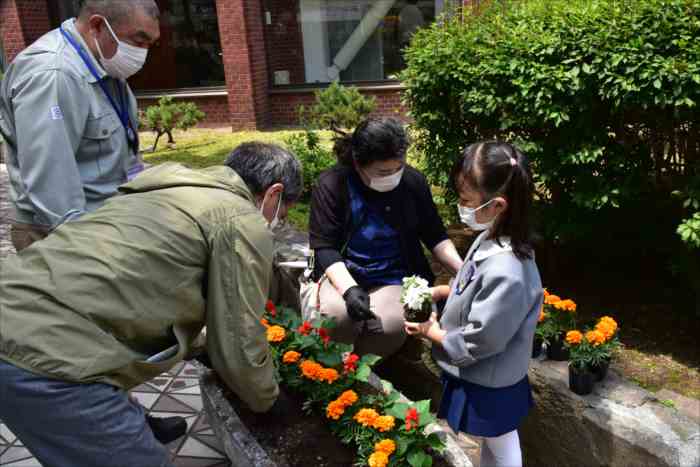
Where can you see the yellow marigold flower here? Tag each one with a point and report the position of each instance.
(348, 398)
(551, 299)
(595, 337)
(291, 357)
(574, 337)
(335, 409)
(387, 446)
(366, 417)
(605, 330)
(384, 423)
(378, 459)
(329, 375)
(609, 321)
(566, 305)
(310, 369)
(276, 333)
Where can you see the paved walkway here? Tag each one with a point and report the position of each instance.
(173, 393)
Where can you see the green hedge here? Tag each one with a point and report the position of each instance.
(602, 95)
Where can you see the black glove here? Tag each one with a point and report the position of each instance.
(357, 303)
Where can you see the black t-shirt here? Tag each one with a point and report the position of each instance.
(409, 208)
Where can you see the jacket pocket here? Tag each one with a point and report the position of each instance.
(100, 149)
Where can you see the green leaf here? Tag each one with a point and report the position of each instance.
(398, 411)
(657, 83)
(418, 458)
(401, 446)
(363, 372)
(436, 443)
(329, 359)
(370, 359)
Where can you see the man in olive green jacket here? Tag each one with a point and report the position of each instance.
(85, 314)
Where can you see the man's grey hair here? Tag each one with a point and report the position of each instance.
(261, 165)
(118, 10)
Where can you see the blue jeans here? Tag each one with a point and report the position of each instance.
(77, 425)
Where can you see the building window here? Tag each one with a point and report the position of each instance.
(188, 54)
(318, 41)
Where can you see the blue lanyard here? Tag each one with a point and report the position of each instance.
(122, 110)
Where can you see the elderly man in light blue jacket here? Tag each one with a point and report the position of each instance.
(68, 117)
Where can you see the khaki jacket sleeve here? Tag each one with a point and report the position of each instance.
(50, 114)
(237, 286)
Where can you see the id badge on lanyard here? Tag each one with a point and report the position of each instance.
(123, 109)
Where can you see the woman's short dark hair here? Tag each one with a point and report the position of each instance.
(496, 168)
(261, 165)
(374, 139)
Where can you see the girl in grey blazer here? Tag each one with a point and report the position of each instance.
(483, 340)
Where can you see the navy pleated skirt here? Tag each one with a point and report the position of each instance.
(481, 411)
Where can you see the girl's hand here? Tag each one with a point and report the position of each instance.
(430, 329)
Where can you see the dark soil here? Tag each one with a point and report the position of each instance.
(298, 440)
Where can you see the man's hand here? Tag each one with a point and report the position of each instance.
(357, 303)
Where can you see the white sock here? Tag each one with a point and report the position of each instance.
(502, 451)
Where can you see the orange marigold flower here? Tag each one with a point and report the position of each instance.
(543, 315)
(291, 357)
(607, 328)
(384, 423)
(566, 305)
(595, 337)
(329, 375)
(551, 299)
(366, 417)
(387, 446)
(348, 398)
(378, 459)
(270, 307)
(574, 337)
(310, 369)
(265, 323)
(335, 410)
(276, 333)
(609, 321)
(546, 293)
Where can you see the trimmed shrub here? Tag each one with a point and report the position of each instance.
(602, 96)
(168, 115)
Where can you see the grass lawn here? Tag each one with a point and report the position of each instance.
(206, 147)
(651, 360)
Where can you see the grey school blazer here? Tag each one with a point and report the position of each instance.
(490, 316)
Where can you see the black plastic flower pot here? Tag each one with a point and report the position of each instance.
(536, 347)
(581, 380)
(556, 350)
(600, 370)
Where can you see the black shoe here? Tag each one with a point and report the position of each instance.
(168, 429)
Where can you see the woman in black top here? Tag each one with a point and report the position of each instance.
(369, 215)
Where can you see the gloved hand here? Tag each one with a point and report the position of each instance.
(357, 303)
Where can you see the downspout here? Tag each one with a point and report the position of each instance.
(359, 37)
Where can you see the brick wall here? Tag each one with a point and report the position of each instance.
(283, 106)
(215, 107)
(21, 23)
(245, 63)
(284, 40)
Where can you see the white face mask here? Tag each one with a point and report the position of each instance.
(275, 220)
(127, 60)
(387, 183)
(468, 216)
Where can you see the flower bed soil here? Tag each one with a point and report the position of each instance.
(296, 439)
